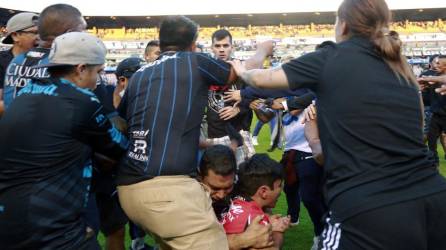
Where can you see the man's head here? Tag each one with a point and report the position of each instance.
(440, 64)
(432, 62)
(78, 57)
(261, 180)
(58, 19)
(152, 51)
(22, 31)
(178, 33)
(126, 68)
(222, 44)
(217, 171)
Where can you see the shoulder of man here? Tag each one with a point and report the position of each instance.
(83, 95)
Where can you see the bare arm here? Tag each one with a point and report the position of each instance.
(264, 50)
(261, 78)
(312, 133)
(424, 81)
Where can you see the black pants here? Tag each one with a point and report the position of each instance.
(418, 224)
(436, 127)
(307, 189)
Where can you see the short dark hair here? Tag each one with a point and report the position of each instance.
(218, 158)
(177, 33)
(220, 35)
(63, 70)
(432, 57)
(56, 20)
(153, 43)
(258, 171)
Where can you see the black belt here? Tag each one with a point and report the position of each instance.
(302, 156)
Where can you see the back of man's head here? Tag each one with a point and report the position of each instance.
(218, 158)
(58, 19)
(177, 33)
(260, 170)
(220, 35)
(152, 43)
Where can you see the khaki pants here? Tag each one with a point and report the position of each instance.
(176, 210)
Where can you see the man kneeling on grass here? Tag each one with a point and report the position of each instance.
(258, 189)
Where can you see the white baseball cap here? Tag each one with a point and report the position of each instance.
(76, 48)
(19, 22)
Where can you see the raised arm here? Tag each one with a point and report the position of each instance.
(261, 78)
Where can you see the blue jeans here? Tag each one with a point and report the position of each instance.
(260, 124)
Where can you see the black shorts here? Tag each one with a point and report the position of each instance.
(416, 224)
(112, 217)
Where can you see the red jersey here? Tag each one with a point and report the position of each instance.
(240, 215)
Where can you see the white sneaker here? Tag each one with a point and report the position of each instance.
(293, 224)
(254, 141)
(315, 243)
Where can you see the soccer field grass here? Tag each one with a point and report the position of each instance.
(296, 238)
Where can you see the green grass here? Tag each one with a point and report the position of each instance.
(296, 238)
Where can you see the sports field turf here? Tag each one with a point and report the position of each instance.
(301, 236)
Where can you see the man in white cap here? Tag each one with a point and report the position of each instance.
(22, 34)
(47, 135)
(54, 21)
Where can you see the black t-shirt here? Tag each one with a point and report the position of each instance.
(5, 58)
(218, 127)
(370, 124)
(164, 106)
(46, 137)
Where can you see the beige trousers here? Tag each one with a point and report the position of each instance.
(177, 210)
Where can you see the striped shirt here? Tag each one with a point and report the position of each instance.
(164, 106)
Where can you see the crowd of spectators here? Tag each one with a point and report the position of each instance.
(280, 31)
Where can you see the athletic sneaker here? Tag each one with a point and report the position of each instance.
(294, 223)
(315, 243)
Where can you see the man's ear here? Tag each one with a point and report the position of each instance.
(344, 28)
(263, 191)
(121, 79)
(80, 68)
(14, 36)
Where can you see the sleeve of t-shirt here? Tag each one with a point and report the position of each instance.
(213, 71)
(96, 130)
(300, 102)
(305, 71)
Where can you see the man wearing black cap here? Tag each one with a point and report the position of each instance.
(165, 104)
(124, 71)
(22, 34)
(112, 219)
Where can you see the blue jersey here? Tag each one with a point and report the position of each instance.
(20, 71)
(164, 105)
(46, 137)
